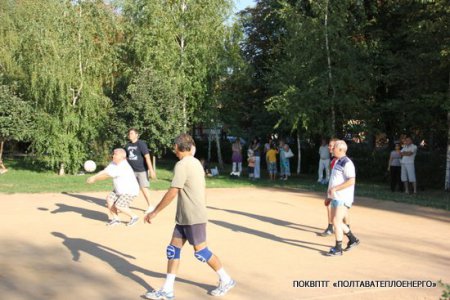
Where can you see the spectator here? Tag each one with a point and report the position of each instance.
(236, 157)
(394, 166)
(324, 163)
(408, 175)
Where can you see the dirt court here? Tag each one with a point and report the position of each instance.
(56, 246)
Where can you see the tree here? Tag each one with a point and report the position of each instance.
(15, 117)
(182, 39)
(66, 57)
(151, 104)
(323, 69)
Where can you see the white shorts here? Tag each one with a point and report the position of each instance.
(408, 173)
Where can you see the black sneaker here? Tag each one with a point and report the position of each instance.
(327, 232)
(351, 245)
(335, 252)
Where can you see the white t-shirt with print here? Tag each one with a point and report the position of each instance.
(124, 180)
(343, 170)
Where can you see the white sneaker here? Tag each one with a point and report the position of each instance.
(159, 295)
(222, 289)
(113, 222)
(133, 221)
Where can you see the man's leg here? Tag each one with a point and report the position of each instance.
(329, 229)
(404, 177)
(203, 254)
(347, 218)
(110, 200)
(320, 171)
(123, 205)
(146, 192)
(338, 218)
(173, 255)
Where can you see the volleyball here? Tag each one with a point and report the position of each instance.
(90, 166)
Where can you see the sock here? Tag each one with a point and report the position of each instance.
(168, 284)
(330, 227)
(351, 237)
(224, 277)
(338, 246)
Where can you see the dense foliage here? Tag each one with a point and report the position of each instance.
(369, 71)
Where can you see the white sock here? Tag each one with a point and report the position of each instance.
(224, 277)
(168, 284)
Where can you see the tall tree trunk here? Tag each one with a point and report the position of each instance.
(447, 173)
(209, 145)
(2, 142)
(182, 49)
(299, 154)
(219, 150)
(330, 75)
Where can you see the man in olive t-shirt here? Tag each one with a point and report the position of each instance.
(188, 184)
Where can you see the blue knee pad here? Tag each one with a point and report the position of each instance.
(173, 252)
(203, 255)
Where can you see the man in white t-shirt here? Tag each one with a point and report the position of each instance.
(408, 154)
(126, 187)
(341, 189)
(324, 163)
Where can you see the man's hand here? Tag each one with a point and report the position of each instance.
(331, 192)
(152, 174)
(149, 217)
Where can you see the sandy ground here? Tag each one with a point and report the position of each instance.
(56, 246)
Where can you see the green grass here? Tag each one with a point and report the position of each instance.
(23, 178)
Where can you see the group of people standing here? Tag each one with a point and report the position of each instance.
(271, 151)
(401, 166)
(130, 170)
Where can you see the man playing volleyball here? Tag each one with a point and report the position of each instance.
(189, 184)
(341, 190)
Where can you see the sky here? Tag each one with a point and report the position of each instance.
(241, 4)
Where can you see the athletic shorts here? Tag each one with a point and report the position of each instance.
(272, 167)
(142, 178)
(121, 201)
(335, 203)
(408, 173)
(195, 234)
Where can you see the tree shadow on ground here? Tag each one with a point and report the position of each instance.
(400, 206)
(115, 259)
(269, 236)
(270, 220)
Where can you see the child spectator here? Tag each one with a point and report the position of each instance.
(251, 163)
(271, 158)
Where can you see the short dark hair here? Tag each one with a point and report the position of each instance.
(184, 142)
(133, 129)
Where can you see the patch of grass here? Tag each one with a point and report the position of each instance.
(23, 178)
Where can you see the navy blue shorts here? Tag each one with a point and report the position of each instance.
(195, 234)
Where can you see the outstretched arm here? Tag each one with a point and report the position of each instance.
(102, 175)
(166, 200)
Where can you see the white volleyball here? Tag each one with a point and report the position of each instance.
(90, 166)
